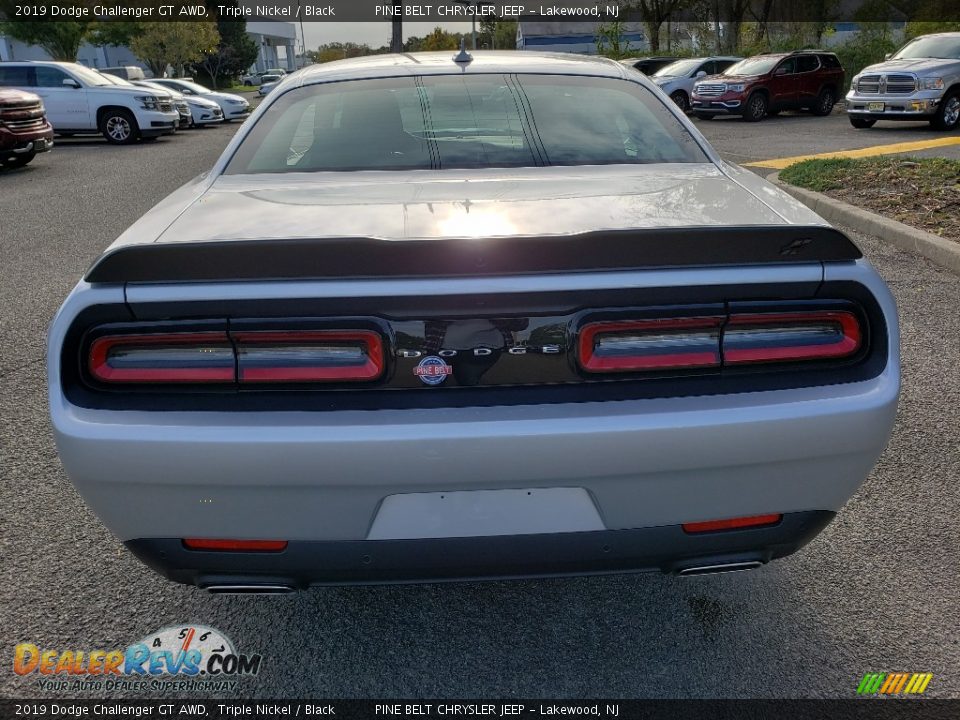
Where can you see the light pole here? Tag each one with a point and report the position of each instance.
(473, 17)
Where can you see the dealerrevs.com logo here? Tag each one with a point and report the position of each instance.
(180, 657)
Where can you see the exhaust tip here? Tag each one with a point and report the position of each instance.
(249, 589)
(718, 568)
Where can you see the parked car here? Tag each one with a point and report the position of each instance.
(268, 83)
(648, 65)
(677, 78)
(127, 72)
(79, 100)
(234, 107)
(194, 110)
(257, 78)
(24, 130)
(166, 97)
(766, 84)
(428, 319)
(921, 81)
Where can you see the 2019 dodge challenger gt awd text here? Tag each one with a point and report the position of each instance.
(494, 316)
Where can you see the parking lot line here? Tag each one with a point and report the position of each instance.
(893, 149)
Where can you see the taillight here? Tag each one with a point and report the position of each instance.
(235, 545)
(739, 523)
(780, 337)
(201, 357)
(309, 356)
(652, 344)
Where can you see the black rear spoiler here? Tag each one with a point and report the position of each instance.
(355, 258)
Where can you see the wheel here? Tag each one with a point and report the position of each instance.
(680, 98)
(248, 83)
(19, 160)
(824, 104)
(119, 127)
(862, 123)
(948, 114)
(703, 116)
(756, 108)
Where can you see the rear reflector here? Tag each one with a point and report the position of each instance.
(205, 357)
(309, 356)
(235, 545)
(779, 337)
(732, 524)
(654, 344)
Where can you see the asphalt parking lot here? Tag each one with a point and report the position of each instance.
(877, 591)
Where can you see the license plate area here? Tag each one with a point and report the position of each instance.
(876, 107)
(484, 513)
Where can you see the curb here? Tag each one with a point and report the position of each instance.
(945, 253)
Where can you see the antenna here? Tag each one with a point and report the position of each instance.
(463, 56)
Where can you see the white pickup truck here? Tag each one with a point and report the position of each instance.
(80, 100)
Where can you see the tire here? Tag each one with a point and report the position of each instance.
(948, 114)
(119, 127)
(15, 161)
(756, 107)
(680, 98)
(862, 123)
(703, 116)
(824, 104)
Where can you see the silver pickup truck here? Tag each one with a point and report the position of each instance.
(921, 81)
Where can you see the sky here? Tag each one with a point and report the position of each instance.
(373, 34)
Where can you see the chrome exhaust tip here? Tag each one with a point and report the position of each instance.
(249, 589)
(716, 569)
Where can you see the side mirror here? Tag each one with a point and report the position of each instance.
(701, 73)
(70, 82)
(888, 56)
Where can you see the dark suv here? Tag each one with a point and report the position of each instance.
(24, 130)
(766, 84)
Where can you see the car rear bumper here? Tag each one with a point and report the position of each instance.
(304, 563)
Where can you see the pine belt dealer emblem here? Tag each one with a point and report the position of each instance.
(432, 370)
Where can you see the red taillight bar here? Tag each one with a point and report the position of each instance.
(235, 545)
(163, 358)
(780, 337)
(309, 356)
(733, 523)
(651, 344)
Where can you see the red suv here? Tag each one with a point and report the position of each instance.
(766, 84)
(24, 130)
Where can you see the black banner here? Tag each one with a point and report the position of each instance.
(606, 11)
(872, 708)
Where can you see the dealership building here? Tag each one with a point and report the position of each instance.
(276, 42)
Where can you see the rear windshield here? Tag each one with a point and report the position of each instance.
(457, 122)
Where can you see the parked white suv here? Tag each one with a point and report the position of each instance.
(80, 100)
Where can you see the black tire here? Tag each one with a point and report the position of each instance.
(756, 107)
(681, 99)
(824, 104)
(703, 116)
(15, 161)
(948, 114)
(862, 123)
(118, 126)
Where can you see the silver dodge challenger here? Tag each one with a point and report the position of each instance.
(435, 317)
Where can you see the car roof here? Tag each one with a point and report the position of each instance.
(441, 63)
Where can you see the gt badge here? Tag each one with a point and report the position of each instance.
(432, 370)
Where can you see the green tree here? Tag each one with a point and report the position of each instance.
(60, 40)
(654, 13)
(233, 54)
(174, 43)
(609, 40)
